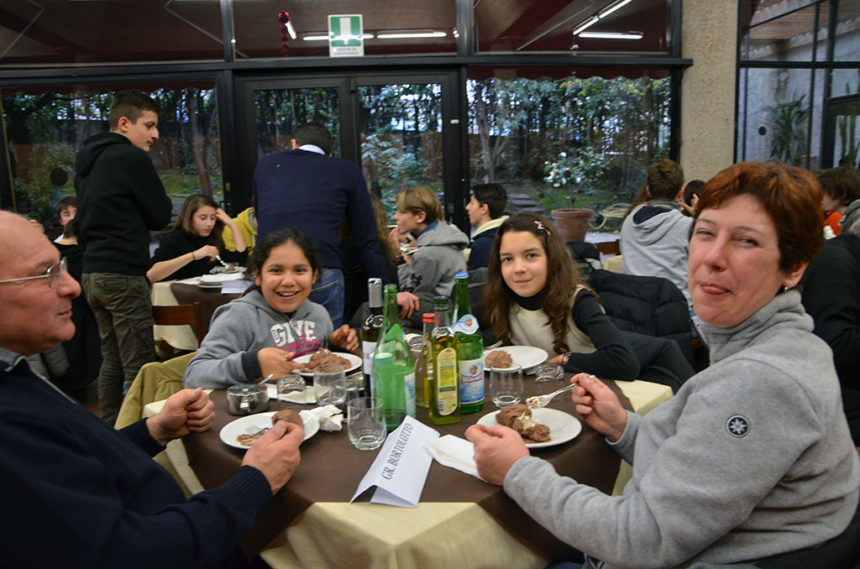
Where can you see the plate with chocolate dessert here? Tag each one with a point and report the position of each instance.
(242, 432)
(323, 356)
(524, 356)
(539, 427)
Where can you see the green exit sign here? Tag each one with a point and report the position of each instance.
(345, 37)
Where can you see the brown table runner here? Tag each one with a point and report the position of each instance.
(331, 470)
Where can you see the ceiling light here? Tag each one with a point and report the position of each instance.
(612, 7)
(323, 36)
(586, 24)
(612, 35)
(392, 35)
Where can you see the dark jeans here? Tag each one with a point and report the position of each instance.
(123, 311)
(329, 292)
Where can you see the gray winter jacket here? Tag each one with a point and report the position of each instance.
(439, 257)
(751, 458)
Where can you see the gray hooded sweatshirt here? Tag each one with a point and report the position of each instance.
(751, 458)
(655, 242)
(242, 328)
(439, 257)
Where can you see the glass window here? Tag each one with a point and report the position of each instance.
(776, 127)
(45, 129)
(109, 31)
(389, 27)
(279, 112)
(560, 141)
(502, 25)
(778, 34)
(847, 45)
(401, 138)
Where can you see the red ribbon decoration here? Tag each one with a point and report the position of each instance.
(284, 18)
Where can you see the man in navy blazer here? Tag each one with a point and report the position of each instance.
(308, 189)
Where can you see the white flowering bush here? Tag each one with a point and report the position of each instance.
(584, 167)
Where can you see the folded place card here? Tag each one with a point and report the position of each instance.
(400, 469)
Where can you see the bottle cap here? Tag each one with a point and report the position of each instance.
(428, 318)
(463, 275)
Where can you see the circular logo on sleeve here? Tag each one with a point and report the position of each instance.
(738, 426)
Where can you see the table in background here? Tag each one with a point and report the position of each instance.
(172, 293)
(477, 523)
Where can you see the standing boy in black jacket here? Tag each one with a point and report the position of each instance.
(120, 199)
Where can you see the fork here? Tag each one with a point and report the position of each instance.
(220, 260)
(538, 401)
(255, 430)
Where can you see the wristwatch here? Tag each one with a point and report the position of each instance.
(565, 357)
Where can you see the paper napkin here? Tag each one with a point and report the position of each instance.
(329, 417)
(454, 452)
(400, 469)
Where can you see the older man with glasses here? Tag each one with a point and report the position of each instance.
(83, 494)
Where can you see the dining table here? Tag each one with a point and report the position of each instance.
(187, 291)
(460, 521)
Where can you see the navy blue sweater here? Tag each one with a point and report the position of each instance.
(317, 194)
(79, 494)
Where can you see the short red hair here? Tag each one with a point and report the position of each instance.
(790, 195)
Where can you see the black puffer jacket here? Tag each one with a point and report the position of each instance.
(648, 305)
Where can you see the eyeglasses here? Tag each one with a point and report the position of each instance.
(53, 274)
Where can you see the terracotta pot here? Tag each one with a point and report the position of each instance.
(572, 224)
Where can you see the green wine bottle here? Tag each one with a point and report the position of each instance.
(470, 348)
(371, 327)
(393, 372)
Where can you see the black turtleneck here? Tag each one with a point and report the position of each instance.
(530, 302)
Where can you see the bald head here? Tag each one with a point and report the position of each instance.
(12, 227)
(37, 313)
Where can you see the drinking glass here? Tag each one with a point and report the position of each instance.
(329, 385)
(365, 422)
(548, 372)
(354, 385)
(291, 388)
(506, 385)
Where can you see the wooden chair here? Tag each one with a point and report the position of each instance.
(609, 247)
(180, 314)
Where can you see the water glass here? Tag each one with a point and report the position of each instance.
(354, 385)
(291, 388)
(329, 385)
(365, 422)
(506, 385)
(548, 372)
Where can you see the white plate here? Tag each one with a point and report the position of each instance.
(563, 426)
(233, 429)
(221, 277)
(524, 356)
(354, 363)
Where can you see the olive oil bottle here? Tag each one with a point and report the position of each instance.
(445, 382)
